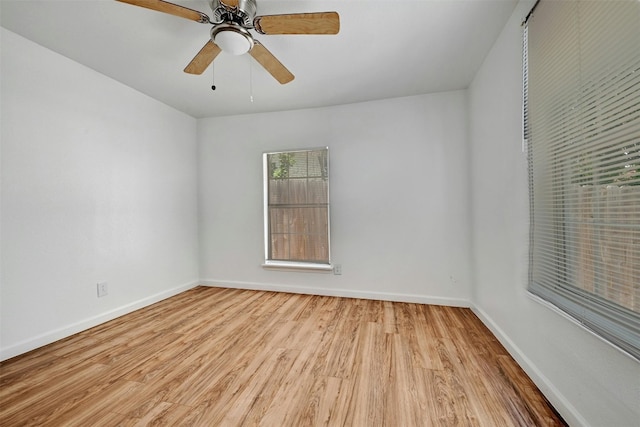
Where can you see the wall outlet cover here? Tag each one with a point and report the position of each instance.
(103, 290)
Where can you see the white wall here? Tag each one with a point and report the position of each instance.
(98, 184)
(587, 380)
(399, 213)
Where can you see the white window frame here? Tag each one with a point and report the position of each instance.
(293, 265)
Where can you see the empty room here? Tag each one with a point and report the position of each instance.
(304, 213)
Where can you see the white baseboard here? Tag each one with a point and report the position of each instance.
(66, 331)
(347, 293)
(559, 402)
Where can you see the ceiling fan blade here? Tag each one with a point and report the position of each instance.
(299, 23)
(170, 8)
(203, 59)
(270, 63)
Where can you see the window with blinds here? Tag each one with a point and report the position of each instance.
(297, 208)
(582, 129)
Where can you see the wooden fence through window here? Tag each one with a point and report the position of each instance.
(604, 230)
(299, 219)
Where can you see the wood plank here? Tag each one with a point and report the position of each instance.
(285, 406)
(213, 356)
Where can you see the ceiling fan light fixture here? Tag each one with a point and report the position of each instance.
(232, 39)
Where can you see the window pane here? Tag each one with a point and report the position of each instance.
(297, 206)
(278, 192)
(317, 190)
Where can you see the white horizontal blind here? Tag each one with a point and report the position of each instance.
(582, 124)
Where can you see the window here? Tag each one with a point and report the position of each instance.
(296, 186)
(582, 127)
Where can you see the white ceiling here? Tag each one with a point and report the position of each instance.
(385, 49)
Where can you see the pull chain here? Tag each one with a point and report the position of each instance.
(250, 80)
(213, 77)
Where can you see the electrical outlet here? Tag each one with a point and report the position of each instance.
(337, 269)
(103, 290)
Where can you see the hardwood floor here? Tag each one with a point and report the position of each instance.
(228, 357)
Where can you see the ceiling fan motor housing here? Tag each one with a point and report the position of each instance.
(231, 28)
(242, 14)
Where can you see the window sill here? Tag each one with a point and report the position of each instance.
(305, 266)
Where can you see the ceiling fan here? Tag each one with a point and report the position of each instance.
(231, 21)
